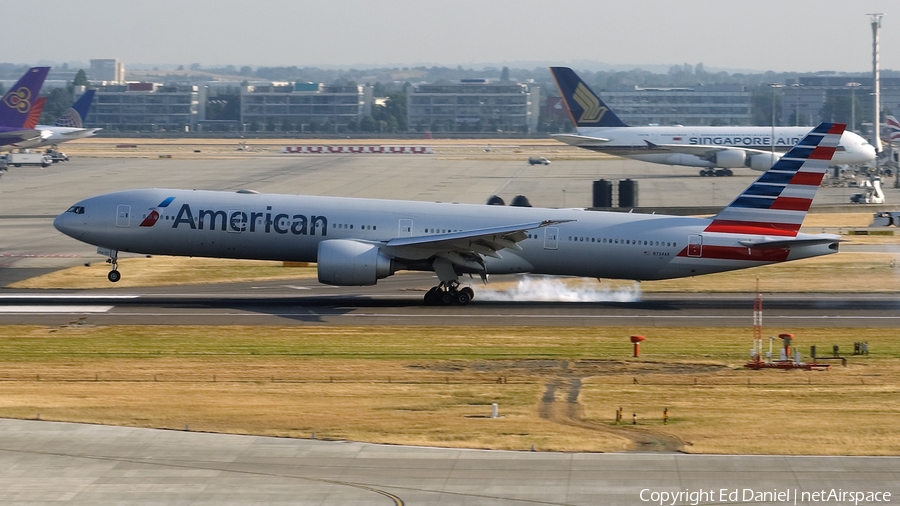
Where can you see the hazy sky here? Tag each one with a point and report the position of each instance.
(780, 35)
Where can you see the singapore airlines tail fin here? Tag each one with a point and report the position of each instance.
(35, 115)
(17, 103)
(584, 106)
(776, 203)
(76, 115)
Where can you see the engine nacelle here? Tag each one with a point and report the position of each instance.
(763, 161)
(730, 159)
(351, 263)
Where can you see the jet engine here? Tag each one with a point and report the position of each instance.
(352, 263)
(763, 161)
(730, 159)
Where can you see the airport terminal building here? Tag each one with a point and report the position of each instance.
(303, 106)
(473, 105)
(809, 99)
(699, 105)
(146, 107)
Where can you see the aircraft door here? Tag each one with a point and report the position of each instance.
(551, 237)
(123, 215)
(695, 246)
(406, 228)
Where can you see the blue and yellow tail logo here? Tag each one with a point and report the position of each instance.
(20, 100)
(592, 110)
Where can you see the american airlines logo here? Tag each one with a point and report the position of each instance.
(240, 221)
(592, 111)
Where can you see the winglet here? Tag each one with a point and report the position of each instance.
(16, 104)
(776, 203)
(584, 106)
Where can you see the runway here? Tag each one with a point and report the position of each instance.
(398, 301)
(61, 463)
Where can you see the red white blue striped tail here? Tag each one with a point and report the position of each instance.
(778, 201)
(893, 126)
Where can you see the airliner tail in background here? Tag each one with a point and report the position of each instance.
(585, 107)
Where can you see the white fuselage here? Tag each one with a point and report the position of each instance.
(52, 135)
(290, 228)
(632, 142)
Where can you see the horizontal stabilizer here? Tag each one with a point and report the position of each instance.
(787, 243)
(579, 140)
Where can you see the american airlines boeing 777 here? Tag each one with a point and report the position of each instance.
(711, 147)
(359, 241)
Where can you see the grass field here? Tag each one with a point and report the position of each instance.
(435, 386)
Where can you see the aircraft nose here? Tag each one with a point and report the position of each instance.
(63, 224)
(70, 222)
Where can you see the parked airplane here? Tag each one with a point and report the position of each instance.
(68, 127)
(359, 241)
(717, 148)
(17, 103)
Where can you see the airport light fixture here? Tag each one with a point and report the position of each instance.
(853, 87)
(774, 87)
(876, 78)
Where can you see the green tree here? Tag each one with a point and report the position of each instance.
(81, 79)
(59, 100)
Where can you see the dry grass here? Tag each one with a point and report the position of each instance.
(433, 386)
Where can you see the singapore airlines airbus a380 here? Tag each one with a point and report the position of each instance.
(359, 241)
(717, 149)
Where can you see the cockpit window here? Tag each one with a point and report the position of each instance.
(76, 210)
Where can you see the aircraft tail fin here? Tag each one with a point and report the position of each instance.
(35, 115)
(893, 126)
(76, 115)
(17, 103)
(776, 203)
(584, 106)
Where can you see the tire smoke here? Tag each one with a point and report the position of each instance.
(531, 289)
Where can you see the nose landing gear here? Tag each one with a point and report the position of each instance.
(113, 255)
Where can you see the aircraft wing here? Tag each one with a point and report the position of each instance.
(579, 140)
(465, 248)
(704, 151)
(14, 136)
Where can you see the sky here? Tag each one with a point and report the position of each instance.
(757, 35)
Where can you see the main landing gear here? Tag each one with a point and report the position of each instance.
(716, 172)
(449, 293)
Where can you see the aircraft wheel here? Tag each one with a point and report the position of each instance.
(431, 296)
(464, 296)
(447, 297)
(728, 172)
(114, 276)
(719, 172)
(703, 173)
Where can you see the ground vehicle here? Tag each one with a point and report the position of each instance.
(20, 159)
(532, 160)
(57, 156)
